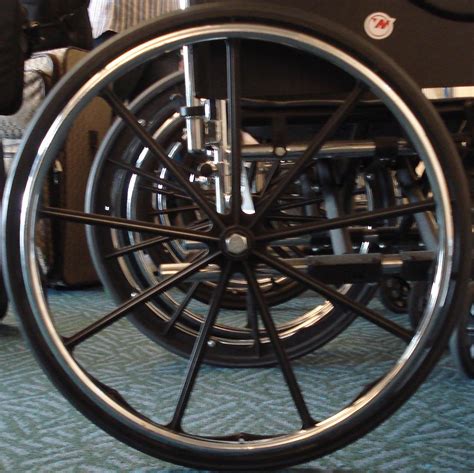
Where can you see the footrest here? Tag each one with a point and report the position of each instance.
(368, 268)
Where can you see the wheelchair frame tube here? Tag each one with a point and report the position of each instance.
(194, 124)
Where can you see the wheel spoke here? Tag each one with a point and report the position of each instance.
(147, 175)
(252, 322)
(341, 222)
(197, 354)
(234, 118)
(131, 121)
(161, 191)
(293, 218)
(336, 297)
(314, 146)
(270, 178)
(125, 224)
(125, 250)
(175, 210)
(136, 247)
(122, 310)
(301, 203)
(288, 373)
(179, 310)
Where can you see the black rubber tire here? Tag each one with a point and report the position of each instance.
(377, 404)
(3, 300)
(3, 292)
(461, 343)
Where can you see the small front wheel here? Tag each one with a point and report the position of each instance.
(461, 343)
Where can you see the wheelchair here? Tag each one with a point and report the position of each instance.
(242, 213)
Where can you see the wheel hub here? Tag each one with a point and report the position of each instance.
(236, 244)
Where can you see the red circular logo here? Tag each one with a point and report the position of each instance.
(379, 25)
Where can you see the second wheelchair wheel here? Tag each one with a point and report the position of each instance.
(223, 418)
(136, 262)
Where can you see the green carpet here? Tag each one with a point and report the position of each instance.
(41, 432)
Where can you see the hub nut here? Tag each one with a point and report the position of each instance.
(236, 244)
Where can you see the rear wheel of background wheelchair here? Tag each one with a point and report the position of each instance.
(122, 191)
(227, 418)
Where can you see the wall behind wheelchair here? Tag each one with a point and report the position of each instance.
(61, 247)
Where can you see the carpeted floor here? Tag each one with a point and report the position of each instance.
(41, 432)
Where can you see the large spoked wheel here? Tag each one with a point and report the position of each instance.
(179, 419)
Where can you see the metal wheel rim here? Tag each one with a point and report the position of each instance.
(407, 361)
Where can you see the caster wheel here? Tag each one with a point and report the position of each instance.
(461, 343)
(234, 244)
(393, 293)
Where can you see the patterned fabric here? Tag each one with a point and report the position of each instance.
(37, 81)
(118, 15)
(41, 73)
(10, 148)
(41, 432)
